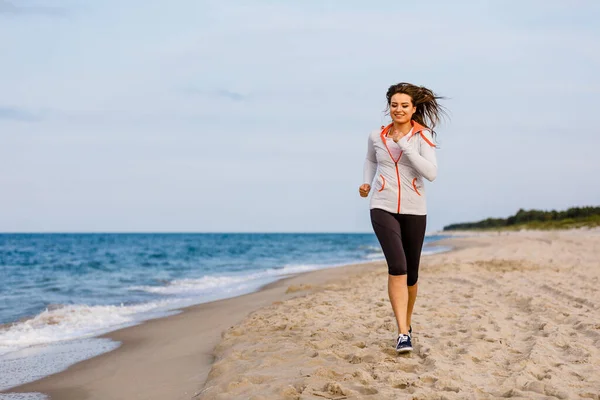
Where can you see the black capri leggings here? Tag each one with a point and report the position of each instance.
(401, 238)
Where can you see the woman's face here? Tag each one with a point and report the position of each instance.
(401, 108)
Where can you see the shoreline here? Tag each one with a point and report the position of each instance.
(69, 352)
(89, 379)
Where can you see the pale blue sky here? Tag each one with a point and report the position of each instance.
(254, 115)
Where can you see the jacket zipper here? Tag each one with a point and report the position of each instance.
(395, 163)
(398, 180)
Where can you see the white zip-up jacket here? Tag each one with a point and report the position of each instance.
(400, 169)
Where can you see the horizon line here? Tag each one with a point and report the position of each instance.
(186, 232)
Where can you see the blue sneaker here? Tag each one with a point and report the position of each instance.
(403, 345)
(410, 331)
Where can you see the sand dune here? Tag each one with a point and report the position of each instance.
(505, 316)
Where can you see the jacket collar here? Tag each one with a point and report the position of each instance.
(416, 128)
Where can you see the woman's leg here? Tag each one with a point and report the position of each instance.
(413, 228)
(412, 298)
(399, 298)
(387, 230)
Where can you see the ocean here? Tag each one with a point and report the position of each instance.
(59, 291)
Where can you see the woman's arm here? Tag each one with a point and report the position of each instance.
(370, 167)
(425, 161)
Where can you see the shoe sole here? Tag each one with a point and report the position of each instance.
(404, 350)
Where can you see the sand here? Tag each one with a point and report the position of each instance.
(507, 316)
(511, 315)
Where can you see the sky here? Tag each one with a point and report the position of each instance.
(253, 116)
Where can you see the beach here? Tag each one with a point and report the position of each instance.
(503, 315)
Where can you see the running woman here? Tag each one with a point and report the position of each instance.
(401, 155)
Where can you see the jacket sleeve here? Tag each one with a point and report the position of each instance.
(370, 167)
(424, 161)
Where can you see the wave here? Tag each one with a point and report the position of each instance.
(435, 250)
(70, 322)
(224, 283)
(59, 322)
(23, 396)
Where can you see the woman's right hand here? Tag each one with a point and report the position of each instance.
(364, 189)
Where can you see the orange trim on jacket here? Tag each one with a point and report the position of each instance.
(414, 183)
(383, 134)
(383, 184)
(418, 128)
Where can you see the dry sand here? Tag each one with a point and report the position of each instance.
(503, 316)
(512, 315)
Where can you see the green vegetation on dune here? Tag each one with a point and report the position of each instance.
(576, 217)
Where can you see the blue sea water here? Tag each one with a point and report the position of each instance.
(56, 290)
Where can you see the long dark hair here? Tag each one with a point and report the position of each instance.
(429, 111)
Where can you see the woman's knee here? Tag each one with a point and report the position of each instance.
(412, 279)
(396, 269)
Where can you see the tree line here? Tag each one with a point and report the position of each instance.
(535, 218)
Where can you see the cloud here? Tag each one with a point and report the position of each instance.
(15, 114)
(230, 95)
(7, 7)
(217, 93)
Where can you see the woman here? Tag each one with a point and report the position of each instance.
(402, 154)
